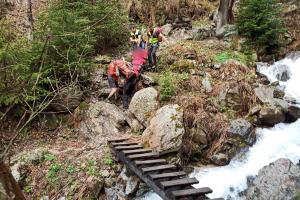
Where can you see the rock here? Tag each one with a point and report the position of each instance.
(243, 129)
(191, 55)
(166, 29)
(226, 31)
(199, 136)
(166, 129)
(147, 80)
(264, 93)
(143, 104)
(278, 92)
(132, 185)
(184, 65)
(134, 124)
(103, 120)
(220, 159)
(26, 158)
(207, 85)
(293, 114)
(279, 180)
(204, 33)
(94, 186)
(282, 72)
(271, 115)
(105, 173)
(67, 100)
(254, 110)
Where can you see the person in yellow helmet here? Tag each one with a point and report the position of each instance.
(136, 39)
(155, 36)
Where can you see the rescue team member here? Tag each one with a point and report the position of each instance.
(155, 36)
(117, 69)
(136, 38)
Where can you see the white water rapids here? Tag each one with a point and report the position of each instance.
(281, 141)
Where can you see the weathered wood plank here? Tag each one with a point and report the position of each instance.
(158, 168)
(190, 192)
(167, 175)
(129, 147)
(117, 140)
(178, 182)
(123, 143)
(217, 199)
(150, 162)
(142, 156)
(135, 151)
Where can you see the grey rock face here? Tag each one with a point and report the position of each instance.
(271, 115)
(243, 129)
(278, 181)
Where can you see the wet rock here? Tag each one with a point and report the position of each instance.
(271, 115)
(254, 110)
(103, 120)
(220, 159)
(279, 180)
(293, 114)
(243, 129)
(199, 136)
(143, 104)
(279, 92)
(166, 129)
(207, 85)
(282, 72)
(67, 99)
(132, 185)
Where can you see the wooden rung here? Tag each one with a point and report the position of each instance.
(150, 162)
(135, 151)
(217, 199)
(123, 143)
(157, 168)
(141, 156)
(190, 192)
(167, 175)
(179, 182)
(129, 147)
(117, 140)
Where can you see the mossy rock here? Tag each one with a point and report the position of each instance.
(183, 65)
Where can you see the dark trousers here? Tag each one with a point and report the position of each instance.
(152, 54)
(128, 90)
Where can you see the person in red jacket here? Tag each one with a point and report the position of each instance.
(117, 69)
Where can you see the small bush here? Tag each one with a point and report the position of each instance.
(260, 21)
(170, 84)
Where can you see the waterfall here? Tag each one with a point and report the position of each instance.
(281, 141)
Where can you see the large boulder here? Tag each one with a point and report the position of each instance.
(243, 129)
(226, 31)
(67, 100)
(271, 115)
(143, 104)
(166, 29)
(166, 129)
(102, 121)
(279, 180)
(293, 113)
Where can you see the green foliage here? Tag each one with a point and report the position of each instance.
(67, 35)
(49, 157)
(170, 83)
(260, 21)
(109, 161)
(71, 169)
(52, 175)
(91, 168)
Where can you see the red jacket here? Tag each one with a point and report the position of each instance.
(117, 67)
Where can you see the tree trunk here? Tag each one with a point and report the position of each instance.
(29, 20)
(225, 15)
(11, 189)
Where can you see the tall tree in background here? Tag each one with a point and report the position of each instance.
(225, 15)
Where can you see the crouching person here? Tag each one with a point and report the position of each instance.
(117, 69)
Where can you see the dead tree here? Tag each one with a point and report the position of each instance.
(225, 14)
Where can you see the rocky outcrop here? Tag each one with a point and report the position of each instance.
(166, 129)
(279, 180)
(143, 104)
(271, 115)
(67, 99)
(103, 120)
(293, 114)
(242, 129)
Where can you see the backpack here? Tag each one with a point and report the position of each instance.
(126, 71)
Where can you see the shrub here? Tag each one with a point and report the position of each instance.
(260, 21)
